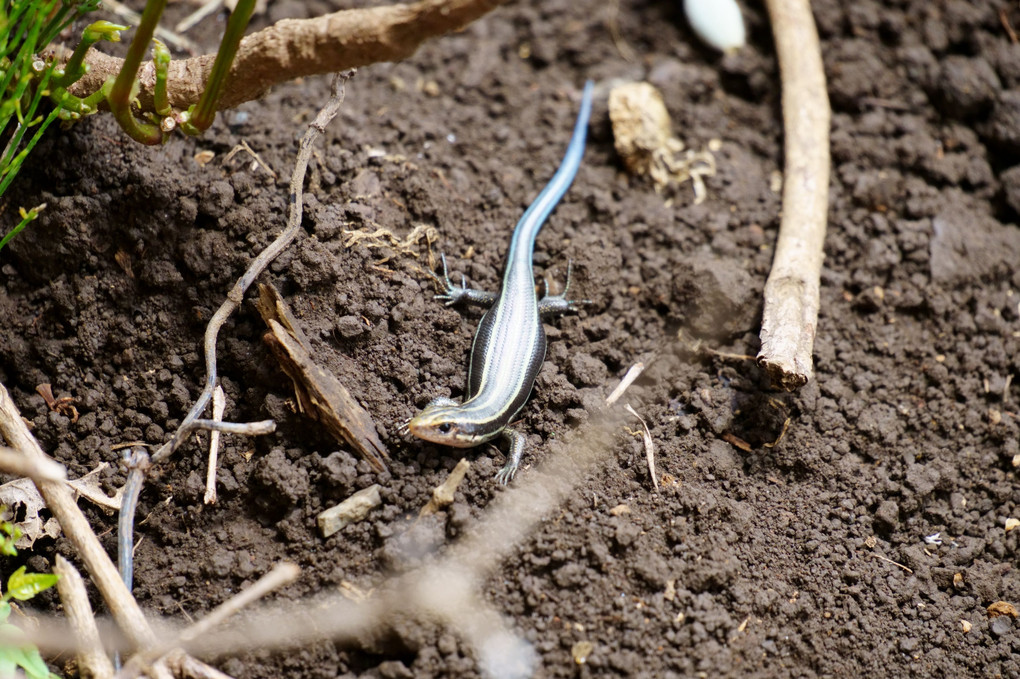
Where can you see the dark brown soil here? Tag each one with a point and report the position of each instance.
(782, 557)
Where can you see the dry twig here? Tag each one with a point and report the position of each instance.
(92, 659)
(76, 528)
(282, 574)
(628, 379)
(207, 8)
(219, 404)
(790, 315)
(137, 462)
(234, 299)
(443, 494)
(45, 469)
(236, 294)
(888, 560)
(246, 147)
(294, 48)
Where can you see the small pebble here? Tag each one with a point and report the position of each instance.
(1001, 625)
(350, 326)
(717, 22)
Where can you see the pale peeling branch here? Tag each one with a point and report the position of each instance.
(790, 315)
(294, 48)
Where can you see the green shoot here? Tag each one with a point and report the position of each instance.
(125, 86)
(26, 28)
(9, 534)
(27, 216)
(200, 117)
(75, 68)
(21, 586)
(161, 59)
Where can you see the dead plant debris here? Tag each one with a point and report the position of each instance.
(319, 393)
(1000, 608)
(643, 137)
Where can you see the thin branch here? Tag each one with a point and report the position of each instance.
(236, 294)
(137, 463)
(443, 494)
(76, 528)
(633, 373)
(219, 405)
(260, 428)
(790, 315)
(295, 48)
(92, 660)
(13, 462)
(282, 574)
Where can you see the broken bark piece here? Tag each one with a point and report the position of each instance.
(320, 395)
(353, 509)
(442, 495)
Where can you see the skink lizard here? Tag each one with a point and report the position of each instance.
(510, 344)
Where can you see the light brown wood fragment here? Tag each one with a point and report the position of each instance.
(443, 494)
(92, 659)
(790, 314)
(319, 393)
(353, 509)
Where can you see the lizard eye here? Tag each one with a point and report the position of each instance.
(445, 427)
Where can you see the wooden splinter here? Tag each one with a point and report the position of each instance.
(443, 494)
(320, 395)
(353, 509)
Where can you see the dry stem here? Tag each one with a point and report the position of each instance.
(443, 494)
(76, 527)
(13, 462)
(646, 437)
(219, 405)
(92, 660)
(790, 316)
(236, 294)
(294, 48)
(281, 575)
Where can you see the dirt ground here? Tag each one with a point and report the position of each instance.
(869, 540)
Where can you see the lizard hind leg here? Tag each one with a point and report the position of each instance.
(551, 306)
(514, 454)
(457, 294)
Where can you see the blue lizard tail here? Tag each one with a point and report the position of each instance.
(523, 243)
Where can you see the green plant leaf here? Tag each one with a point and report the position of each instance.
(7, 663)
(25, 657)
(5, 612)
(23, 586)
(33, 663)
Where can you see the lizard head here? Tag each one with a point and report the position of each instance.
(442, 422)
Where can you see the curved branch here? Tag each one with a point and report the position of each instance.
(294, 48)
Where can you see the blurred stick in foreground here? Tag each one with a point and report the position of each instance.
(790, 316)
